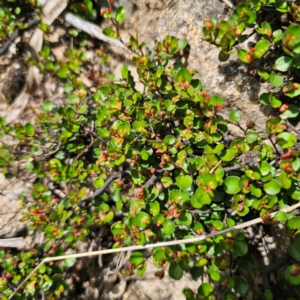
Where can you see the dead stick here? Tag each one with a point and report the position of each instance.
(150, 246)
(12, 242)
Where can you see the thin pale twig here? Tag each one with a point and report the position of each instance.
(229, 4)
(215, 167)
(150, 246)
(91, 29)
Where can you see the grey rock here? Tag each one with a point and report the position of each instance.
(11, 210)
(229, 80)
(150, 287)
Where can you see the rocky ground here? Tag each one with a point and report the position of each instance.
(152, 19)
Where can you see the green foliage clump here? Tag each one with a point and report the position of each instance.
(180, 176)
(14, 16)
(274, 55)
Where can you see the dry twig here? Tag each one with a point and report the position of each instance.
(91, 29)
(12, 242)
(150, 246)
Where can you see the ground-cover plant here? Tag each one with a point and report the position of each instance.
(173, 172)
(16, 15)
(274, 52)
(15, 19)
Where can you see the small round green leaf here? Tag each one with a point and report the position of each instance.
(292, 89)
(18, 10)
(134, 221)
(275, 80)
(283, 63)
(124, 71)
(144, 154)
(120, 160)
(290, 39)
(251, 137)
(268, 295)
(201, 262)
(227, 155)
(265, 168)
(280, 216)
(184, 181)
(295, 254)
(139, 126)
(158, 219)
(234, 116)
(282, 6)
(214, 275)
(294, 223)
(175, 271)
(182, 44)
(272, 187)
(123, 129)
(38, 187)
(169, 139)
(230, 222)
(232, 185)
(120, 14)
(217, 224)
(29, 128)
(264, 98)
(223, 56)
(294, 190)
(201, 198)
(241, 285)
(109, 32)
(286, 140)
(291, 112)
(54, 216)
(98, 182)
(166, 181)
(245, 262)
(104, 207)
(240, 247)
(205, 289)
(48, 105)
(244, 56)
(292, 274)
(185, 218)
(136, 258)
(73, 32)
(183, 76)
(265, 75)
(144, 219)
(69, 238)
(296, 242)
(229, 295)
(178, 196)
(269, 99)
(168, 227)
(195, 201)
(261, 48)
(141, 269)
(69, 262)
(196, 272)
(277, 35)
(154, 208)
